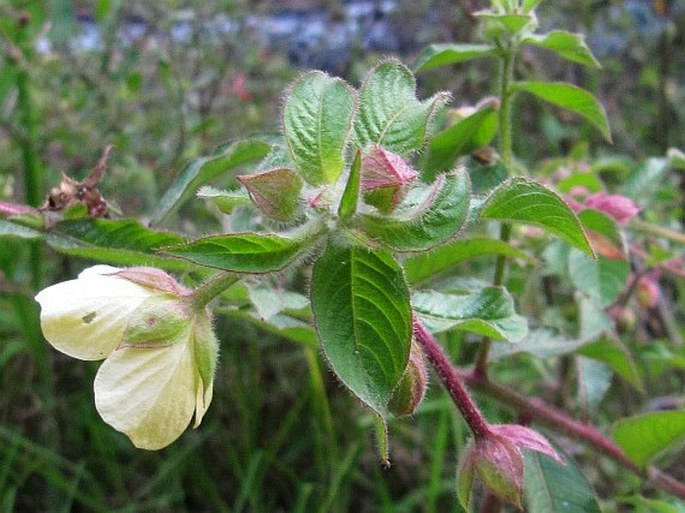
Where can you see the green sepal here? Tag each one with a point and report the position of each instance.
(437, 218)
(275, 192)
(350, 198)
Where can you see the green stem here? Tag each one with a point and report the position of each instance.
(202, 295)
(506, 96)
(507, 155)
(655, 229)
(500, 267)
(33, 172)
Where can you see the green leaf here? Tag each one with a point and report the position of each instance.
(350, 198)
(436, 55)
(363, 317)
(529, 5)
(463, 138)
(554, 488)
(242, 252)
(497, 25)
(602, 279)
(594, 380)
(437, 219)
(122, 242)
(226, 201)
(426, 265)
(613, 353)
(389, 113)
(528, 202)
(603, 232)
(572, 98)
(489, 312)
(201, 170)
(645, 436)
(571, 47)
(317, 119)
(646, 180)
(12, 229)
(282, 325)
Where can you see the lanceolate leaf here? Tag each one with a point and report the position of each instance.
(226, 201)
(645, 436)
(572, 98)
(570, 46)
(437, 219)
(489, 312)
(317, 120)
(463, 138)
(554, 488)
(528, 202)
(124, 242)
(426, 265)
(363, 317)
(201, 170)
(242, 252)
(12, 229)
(389, 112)
(434, 56)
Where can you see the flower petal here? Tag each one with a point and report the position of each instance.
(148, 394)
(85, 318)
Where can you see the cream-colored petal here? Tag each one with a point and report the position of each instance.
(85, 318)
(204, 398)
(148, 394)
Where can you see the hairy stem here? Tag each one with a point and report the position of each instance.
(532, 408)
(202, 295)
(539, 410)
(450, 378)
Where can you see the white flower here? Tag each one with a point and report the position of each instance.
(160, 355)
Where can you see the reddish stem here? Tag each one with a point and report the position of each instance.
(450, 378)
(533, 408)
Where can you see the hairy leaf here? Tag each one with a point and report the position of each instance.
(389, 113)
(242, 252)
(425, 265)
(200, 171)
(317, 119)
(463, 138)
(528, 202)
(489, 312)
(363, 317)
(438, 218)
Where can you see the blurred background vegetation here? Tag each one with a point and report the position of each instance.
(166, 82)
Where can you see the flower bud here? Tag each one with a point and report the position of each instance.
(159, 353)
(497, 460)
(412, 387)
(619, 207)
(385, 179)
(275, 192)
